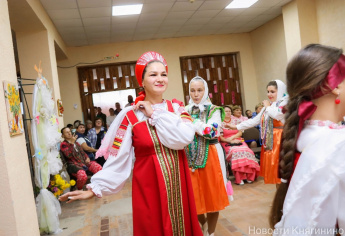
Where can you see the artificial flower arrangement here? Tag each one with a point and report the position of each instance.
(58, 185)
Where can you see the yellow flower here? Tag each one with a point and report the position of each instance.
(60, 182)
(52, 183)
(57, 177)
(72, 182)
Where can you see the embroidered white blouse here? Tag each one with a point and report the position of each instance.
(272, 111)
(172, 131)
(315, 201)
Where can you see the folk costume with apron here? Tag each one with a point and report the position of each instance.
(272, 122)
(206, 157)
(162, 197)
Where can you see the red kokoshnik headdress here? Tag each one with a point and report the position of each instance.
(334, 77)
(140, 66)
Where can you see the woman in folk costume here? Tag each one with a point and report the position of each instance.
(206, 157)
(153, 132)
(312, 164)
(271, 119)
(243, 162)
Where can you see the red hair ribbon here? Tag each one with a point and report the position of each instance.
(141, 97)
(334, 77)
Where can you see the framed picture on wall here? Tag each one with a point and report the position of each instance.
(13, 108)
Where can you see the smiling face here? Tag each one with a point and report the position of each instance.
(238, 113)
(272, 93)
(197, 90)
(81, 129)
(155, 79)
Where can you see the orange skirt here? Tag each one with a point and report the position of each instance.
(208, 185)
(269, 159)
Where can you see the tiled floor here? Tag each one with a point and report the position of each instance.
(112, 215)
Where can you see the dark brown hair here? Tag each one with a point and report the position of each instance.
(305, 73)
(226, 106)
(98, 118)
(272, 83)
(144, 72)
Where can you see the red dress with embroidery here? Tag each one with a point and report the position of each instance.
(162, 198)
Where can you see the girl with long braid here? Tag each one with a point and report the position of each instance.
(311, 198)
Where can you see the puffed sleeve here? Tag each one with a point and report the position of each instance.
(116, 169)
(276, 112)
(118, 166)
(215, 118)
(174, 130)
(251, 122)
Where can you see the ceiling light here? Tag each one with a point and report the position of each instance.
(127, 10)
(240, 4)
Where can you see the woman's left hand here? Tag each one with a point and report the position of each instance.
(144, 107)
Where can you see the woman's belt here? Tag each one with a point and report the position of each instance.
(213, 141)
(278, 127)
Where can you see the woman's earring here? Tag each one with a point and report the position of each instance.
(337, 100)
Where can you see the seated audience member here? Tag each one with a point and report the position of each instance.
(249, 114)
(244, 165)
(258, 108)
(76, 123)
(101, 115)
(117, 108)
(84, 142)
(96, 135)
(130, 101)
(77, 160)
(70, 126)
(89, 126)
(111, 117)
(237, 117)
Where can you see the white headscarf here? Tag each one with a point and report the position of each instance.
(205, 99)
(281, 91)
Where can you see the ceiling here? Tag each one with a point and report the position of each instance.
(89, 22)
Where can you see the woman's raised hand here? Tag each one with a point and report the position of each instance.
(144, 107)
(266, 103)
(76, 195)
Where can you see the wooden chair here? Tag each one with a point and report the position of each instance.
(250, 135)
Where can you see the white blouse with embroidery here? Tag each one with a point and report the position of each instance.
(172, 131)
(315, 199)
(272, 111)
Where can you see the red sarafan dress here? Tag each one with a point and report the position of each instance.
(162, 198)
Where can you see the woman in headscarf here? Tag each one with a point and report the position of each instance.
(271, 119)
(153, 132)
(206, 157)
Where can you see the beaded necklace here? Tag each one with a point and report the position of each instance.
(267, 129)
(197, 150)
